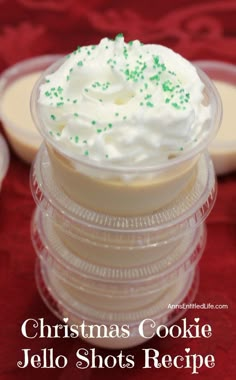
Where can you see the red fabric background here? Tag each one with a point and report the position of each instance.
(196, 29)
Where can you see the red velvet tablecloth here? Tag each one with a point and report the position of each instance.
(198, 30)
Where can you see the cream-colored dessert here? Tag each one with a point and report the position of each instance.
(132, 297)
(124, 124)
(115, 196)
(121, 293)
(223, 148)
(119, 242)
(17, 120)
(120, 256)
(116, 262)
(71, 307)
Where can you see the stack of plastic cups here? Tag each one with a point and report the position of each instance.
(119, 245)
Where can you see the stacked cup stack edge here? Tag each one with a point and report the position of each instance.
(4, 159)
(113, 253)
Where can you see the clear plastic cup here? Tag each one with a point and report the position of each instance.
(134, 261)
(4, 159)
(223, 150)
(123, 241)
(103, 188)
(24, 139)
(71, 311)
(103, 281)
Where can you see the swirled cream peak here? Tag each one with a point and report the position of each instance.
(124, 102)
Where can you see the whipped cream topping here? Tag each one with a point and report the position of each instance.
(128, 103)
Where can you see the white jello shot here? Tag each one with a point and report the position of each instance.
(64, 305)
(124, 242)
(109, 287)
(125, 124)
(223, 147)
(16, 84)
(4, 159)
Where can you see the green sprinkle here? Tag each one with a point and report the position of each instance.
(85, 141)
(47, 81)
(110, 125)
(168, 86)
(86, 153)
(119, 35)
(51, 133)
(130, 43)
(47, 93)
(75, 101)
(141, 103)
(100, 100)
(172, 72)
(60, 104)
(68, 78)
(125, 52)
(76, 139)
(155, 77)
(117, 114)
(99, 130)
(80, 63)
(93, 122)
(124, 117)
(58, 134)
(107, 156)
(156, 60)
(175, 105)
(149, 104)
(86, 89)
(53, 117)
(181, 148)
(76, 114)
